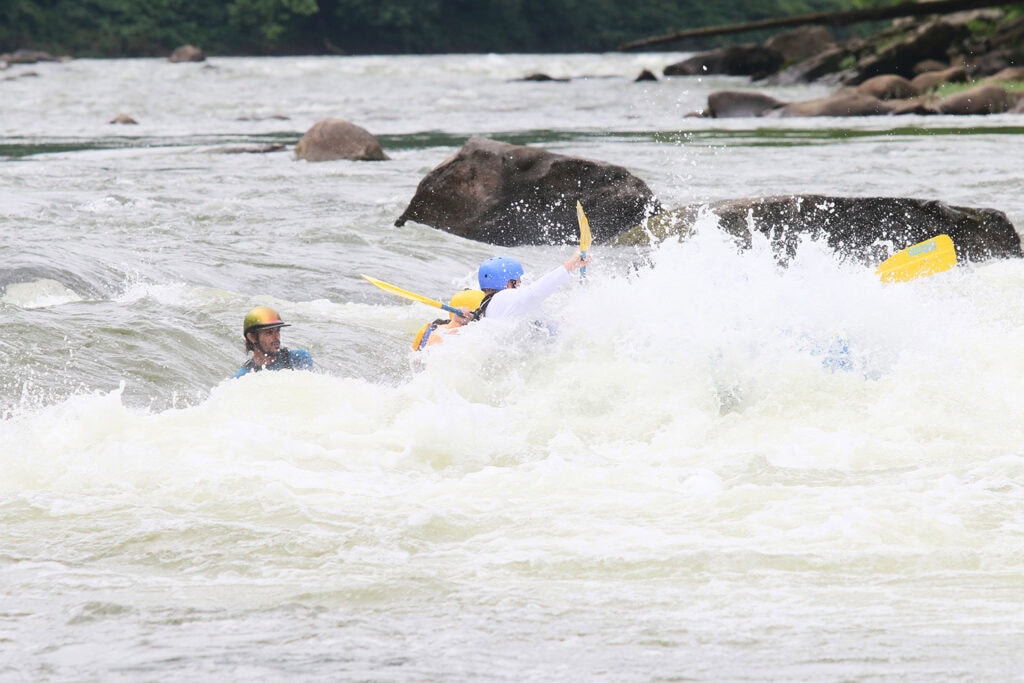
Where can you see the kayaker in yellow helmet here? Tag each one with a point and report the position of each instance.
(262, 332)
(434, 332)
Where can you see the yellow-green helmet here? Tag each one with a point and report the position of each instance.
(261, 318)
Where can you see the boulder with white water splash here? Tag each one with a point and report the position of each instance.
(509, 195)
(333, 139)
(867, 229)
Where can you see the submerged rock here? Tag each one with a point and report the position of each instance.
(253, 149)
(542, 78)
(509, 195)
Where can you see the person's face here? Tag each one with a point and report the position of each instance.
(269, 341)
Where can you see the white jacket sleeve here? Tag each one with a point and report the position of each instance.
(510, 303)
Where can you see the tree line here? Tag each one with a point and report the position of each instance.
(144, 28)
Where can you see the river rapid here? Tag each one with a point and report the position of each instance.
(678, 483)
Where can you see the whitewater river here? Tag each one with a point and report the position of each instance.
(676, 485)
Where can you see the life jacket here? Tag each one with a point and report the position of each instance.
(282, 361)
(481, 311)
(419, 342)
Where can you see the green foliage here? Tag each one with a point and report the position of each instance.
(116, 28)
(107, 28)
(264, 22)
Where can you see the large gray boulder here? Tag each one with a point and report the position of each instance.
(333, 139)
(509, 195)
(867, 229)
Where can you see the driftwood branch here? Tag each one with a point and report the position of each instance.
(910, 9)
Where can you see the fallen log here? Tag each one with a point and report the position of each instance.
(841, 18)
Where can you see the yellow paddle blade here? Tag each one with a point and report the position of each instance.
(585, 238)
(922, 259)
(405, 294)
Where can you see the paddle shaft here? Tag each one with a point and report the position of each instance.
(412, 296)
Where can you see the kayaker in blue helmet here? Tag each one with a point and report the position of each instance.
(262, 332)
(500, 278)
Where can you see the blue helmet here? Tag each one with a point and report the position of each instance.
(495, 272)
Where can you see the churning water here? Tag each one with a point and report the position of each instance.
(682, 482)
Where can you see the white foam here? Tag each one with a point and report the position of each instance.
(42, 293)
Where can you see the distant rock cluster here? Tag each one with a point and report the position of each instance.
(28, 57)
(894, 72)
